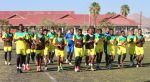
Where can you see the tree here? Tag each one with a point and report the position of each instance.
(3, 23)
(105, 24)
(94, 11)
(111, 13)
(47, 23)
(125, 10)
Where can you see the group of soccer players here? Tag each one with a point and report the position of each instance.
(43, 45)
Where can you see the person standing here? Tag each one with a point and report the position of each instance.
(39, 40)
(7, 38)
(139, 49)
(111, 47)
(59, 43)
(99, 42)
(79, 43)
(70, 46)
(89, 49)
(131, 46)
(122, 42)
(20, 40)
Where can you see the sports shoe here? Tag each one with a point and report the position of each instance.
(67, 61)
(131, 63)
(27, 67)
(118, 65)
(9, 63)
(38, 68)
(92, 69)
(70, 63)
(18, 70)
(110, 66)
(6, 63)
(45, 68)
(24, 67)
(58, 69)
(137, 66)
(75, 69)
(98, 67)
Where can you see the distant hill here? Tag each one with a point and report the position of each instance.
(136, 17)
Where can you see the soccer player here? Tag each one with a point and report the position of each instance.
(139, 49)
(122, 42)
(99, 42)
(70, 46)
(26, 58)
(59, 42)
(131, 46)
(106, 33)
(46, 49)
(78, 42)
(51, 37)
(20, 40)
(89, 48)
(32, 46)
(111, 47)
(39, 39)
(7, 38)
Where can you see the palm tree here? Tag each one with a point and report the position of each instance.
(125, 10)
(94, 11)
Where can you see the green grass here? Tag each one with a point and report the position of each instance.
(127, 74)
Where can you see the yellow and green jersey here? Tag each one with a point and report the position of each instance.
(99, 39)
(91, 38)
(7, 36)
(111, 40)
(21, 44)
(79, 40)
(122, 40)
(39, 45)
(59, 41)
(139, 40)
(130, 40)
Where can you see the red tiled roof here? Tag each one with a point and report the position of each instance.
(67, 17)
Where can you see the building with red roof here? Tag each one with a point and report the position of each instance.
(35, 18)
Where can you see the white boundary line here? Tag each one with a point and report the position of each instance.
(50, 77)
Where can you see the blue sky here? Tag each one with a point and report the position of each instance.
(79, 6)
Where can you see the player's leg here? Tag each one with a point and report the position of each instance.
(9, 58)
(5, 56)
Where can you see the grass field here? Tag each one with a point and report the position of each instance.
(126, 74)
